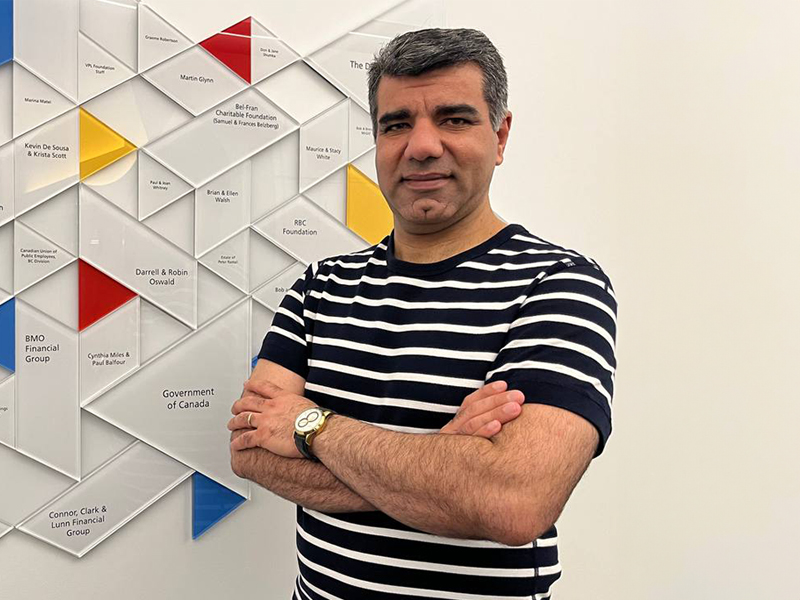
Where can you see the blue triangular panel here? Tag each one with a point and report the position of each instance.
(6, 30)
(211, 502)
(7, 333)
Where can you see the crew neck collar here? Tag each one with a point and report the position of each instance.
(410, 268)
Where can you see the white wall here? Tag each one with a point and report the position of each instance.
(662, 138)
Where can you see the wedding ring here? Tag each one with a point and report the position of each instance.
(249, 416)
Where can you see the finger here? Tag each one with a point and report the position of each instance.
(249, 439)
(490, 389)
(263, 388)
(250, 402)
(244, 420)
(503, 414)
(485, 405)
(491, 429)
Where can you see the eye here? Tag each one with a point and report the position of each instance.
(394, 127)
(457, 121)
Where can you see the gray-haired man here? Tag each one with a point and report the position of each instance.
(430, 403)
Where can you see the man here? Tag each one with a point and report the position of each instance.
(469, 364)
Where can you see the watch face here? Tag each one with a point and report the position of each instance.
(308, 420)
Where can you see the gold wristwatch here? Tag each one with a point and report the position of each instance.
(307, 426)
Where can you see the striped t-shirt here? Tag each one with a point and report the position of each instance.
(399, 345)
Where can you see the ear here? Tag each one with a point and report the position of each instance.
(502, 138)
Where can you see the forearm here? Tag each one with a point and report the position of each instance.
(301, 481)
(449, 485)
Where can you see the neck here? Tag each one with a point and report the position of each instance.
(474, 229)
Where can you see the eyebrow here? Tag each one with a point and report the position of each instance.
(403, 113)
(443, 110)
(448, 110)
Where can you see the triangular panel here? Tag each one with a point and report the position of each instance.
(98, 70)
(214, 295)
(114, 26)
(367, 212)
(118, 183)
(232, 50)
(267, 260)
(35, 101)
(158, 186)
(176, 223)
(231, 260)
(189, 426)
(57, 295)
(211, 502)
(35, 257)
(268, 53)
(158, 331)
(324, 145)
(57, 219)
(158, 40)
(100, 145)
(98, 295)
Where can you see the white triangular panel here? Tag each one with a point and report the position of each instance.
(158, 331)
(261, 319)
(35, 257)
(158, 40)
(34, 101)
(114, 26)
(138, 111)
(49, 45)
(6, 102)
(98, 70)
(100, 442)
(158, 186)
(268, 53)
(360, 128)
(195, 79)
(406, 16)
(6, 183)
(276, 176)
(48, 414)
(109, 349)
(366, 164)
(7, 411)
(7, 257)
(214, 295)
(331, 194)
(46, 161)
(228, 139)
(57, 219)
(323, 145)
(346, 60)
(222, 207)
(57, 295)
(176, 223)
(267, 260)
(308, 232)
(190, 426)
(231, 260)
(34, 485)
(271, 294)
(118, 183)
(130, 483)
(300, 91)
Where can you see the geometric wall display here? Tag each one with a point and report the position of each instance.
(158, 197)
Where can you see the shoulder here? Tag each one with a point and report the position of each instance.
(350, 266)
(550, 260)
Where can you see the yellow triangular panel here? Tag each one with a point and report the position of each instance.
(367, 212)
(100, 145)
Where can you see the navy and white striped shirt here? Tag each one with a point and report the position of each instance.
(400, 345)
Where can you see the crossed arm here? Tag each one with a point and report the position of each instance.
(507, 480)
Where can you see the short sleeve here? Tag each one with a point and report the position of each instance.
(560, 349)
(285, 342)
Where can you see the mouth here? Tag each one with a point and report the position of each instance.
(426, 181)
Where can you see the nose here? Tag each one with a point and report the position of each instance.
(424, 142)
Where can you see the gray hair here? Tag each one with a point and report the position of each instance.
(417, 52)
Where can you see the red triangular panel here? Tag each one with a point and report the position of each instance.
(231, 50)
(241, 28)
(98, 295)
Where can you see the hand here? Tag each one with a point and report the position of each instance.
(484, 412)
(267, 414)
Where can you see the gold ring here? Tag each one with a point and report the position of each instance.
(249, 416)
